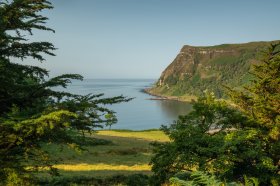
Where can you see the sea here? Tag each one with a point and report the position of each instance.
(142, 112)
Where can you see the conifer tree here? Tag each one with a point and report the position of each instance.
(261, 103)
(31, 112)
(261, 100)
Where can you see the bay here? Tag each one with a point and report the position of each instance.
(141, 113)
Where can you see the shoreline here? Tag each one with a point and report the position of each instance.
(184, 98)
(160, 97)
(163, 97)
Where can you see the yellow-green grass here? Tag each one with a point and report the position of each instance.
(129, 153)
(149, 135)
(102, 166)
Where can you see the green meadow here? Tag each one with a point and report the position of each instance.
(108, 153)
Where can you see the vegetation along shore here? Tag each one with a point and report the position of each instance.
(49, 136)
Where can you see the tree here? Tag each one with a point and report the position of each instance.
(261, 103)
(261, 100)
(31, 111)
(225, 140)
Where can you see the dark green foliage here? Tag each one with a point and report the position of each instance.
(172, 80)
(197, 178)
(261, 103)
(129, 180)
(229, 141)
(137, 180)
(31, 111)
(261, 100)
(193, 146)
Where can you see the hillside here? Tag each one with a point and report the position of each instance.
(196, 69)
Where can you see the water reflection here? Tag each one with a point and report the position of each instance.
(173, 108)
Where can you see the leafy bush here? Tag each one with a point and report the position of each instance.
(137, 180)
(129, 180)
(196, 178)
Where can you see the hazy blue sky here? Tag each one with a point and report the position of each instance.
(139, 38)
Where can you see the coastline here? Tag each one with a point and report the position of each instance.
(158, 96)
(184, 98)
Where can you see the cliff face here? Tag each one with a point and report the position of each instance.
(196, 69)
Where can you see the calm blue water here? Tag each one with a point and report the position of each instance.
(141, 112)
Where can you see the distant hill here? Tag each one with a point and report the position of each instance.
(196, 69)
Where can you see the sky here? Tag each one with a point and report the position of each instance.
(105, 39)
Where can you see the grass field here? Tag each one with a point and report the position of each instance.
(126, 152)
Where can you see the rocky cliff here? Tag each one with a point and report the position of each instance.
(196, 69)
